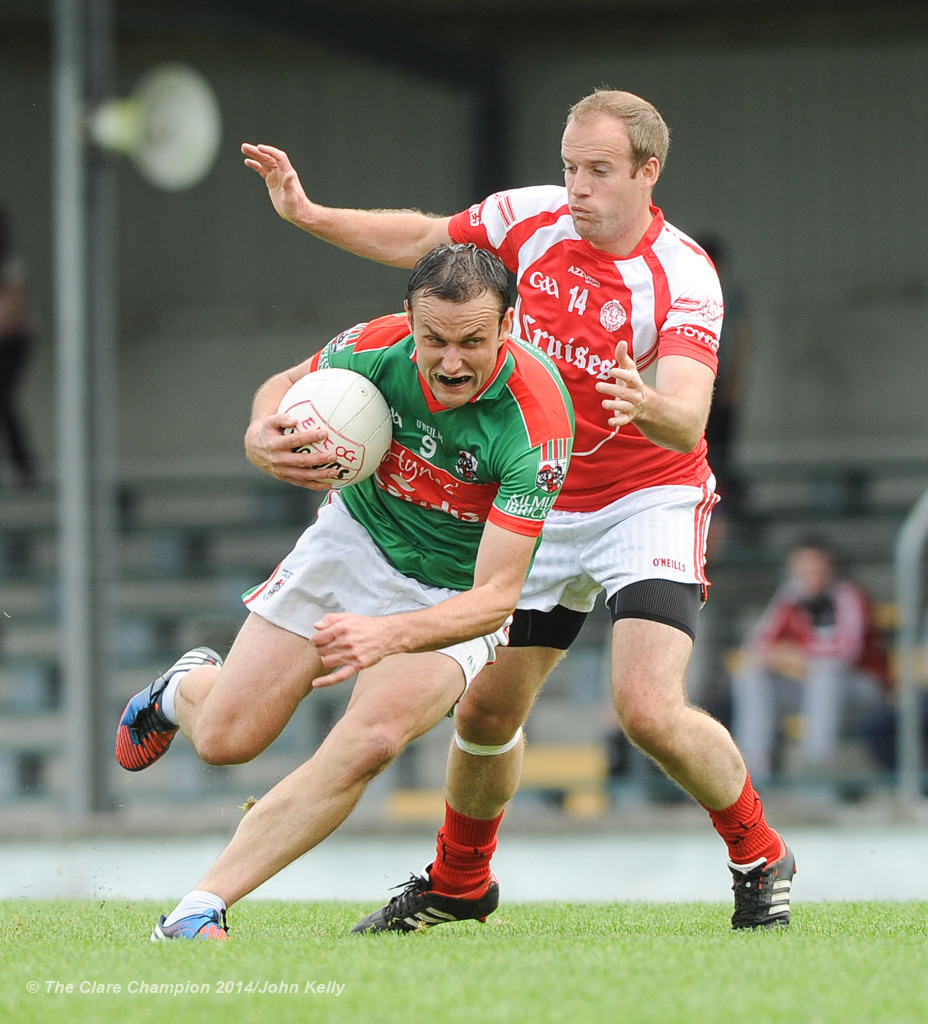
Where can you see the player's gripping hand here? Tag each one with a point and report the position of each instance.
(626, 392)
(283, 183)
(347, 643)
(271, 449)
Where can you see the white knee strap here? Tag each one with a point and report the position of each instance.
(481, 751)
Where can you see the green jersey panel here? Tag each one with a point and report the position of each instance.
(501, 457)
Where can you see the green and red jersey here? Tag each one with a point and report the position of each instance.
(501, 458)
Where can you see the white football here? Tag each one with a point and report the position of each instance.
(355, 414)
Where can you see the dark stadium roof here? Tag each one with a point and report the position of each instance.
(416, 26)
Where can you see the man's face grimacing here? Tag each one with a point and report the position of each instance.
(605, 196)
(457, 343)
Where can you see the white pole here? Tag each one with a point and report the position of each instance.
(909, 545)
(85, 340)
(71, 334)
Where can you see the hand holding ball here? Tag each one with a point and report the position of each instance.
(354, 413)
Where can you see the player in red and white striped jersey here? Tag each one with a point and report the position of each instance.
(630, 310)
(578, 303)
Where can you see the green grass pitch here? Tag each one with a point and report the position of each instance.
(631, 963)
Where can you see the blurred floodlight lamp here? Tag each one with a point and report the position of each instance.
(170, 126)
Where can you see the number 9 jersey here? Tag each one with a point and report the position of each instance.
(502, 457)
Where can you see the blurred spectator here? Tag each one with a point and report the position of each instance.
(815, 651)
(15, 341)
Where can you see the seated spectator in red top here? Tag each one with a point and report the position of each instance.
(815, 651)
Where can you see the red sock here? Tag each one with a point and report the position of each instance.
(745, 830)
(462, 861)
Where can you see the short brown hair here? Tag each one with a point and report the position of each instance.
(458, 273)
(647, 130)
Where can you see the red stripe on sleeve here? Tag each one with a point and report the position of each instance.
(524, 527)
(540, 399)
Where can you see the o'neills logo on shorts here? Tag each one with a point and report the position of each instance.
(668, 563)
(277, 585)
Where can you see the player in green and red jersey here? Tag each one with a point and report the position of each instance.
(479, 461)
(407, 578)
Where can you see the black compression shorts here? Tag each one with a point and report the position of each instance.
(674, 604)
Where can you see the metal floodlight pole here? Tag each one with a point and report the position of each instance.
(910, 545)
(84, 329)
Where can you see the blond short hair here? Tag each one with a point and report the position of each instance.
(647, 130)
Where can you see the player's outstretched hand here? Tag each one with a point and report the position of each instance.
(625, 393)
(283, 183)
(271, 449)
(347, 643)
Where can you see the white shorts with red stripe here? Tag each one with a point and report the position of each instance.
(654, 533)
(336, 567)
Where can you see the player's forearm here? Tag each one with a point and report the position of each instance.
(499, 574)
(267, 397)
(671, 421)
(477, 612)
(395, 237)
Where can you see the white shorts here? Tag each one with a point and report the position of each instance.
(655, 533)
(336, 567)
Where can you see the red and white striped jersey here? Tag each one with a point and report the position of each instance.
(576, 302)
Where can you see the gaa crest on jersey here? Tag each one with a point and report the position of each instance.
(552, 467)
(544, 283)
(612, 316)
(466, 467)
(551, 475)
(711, 310)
